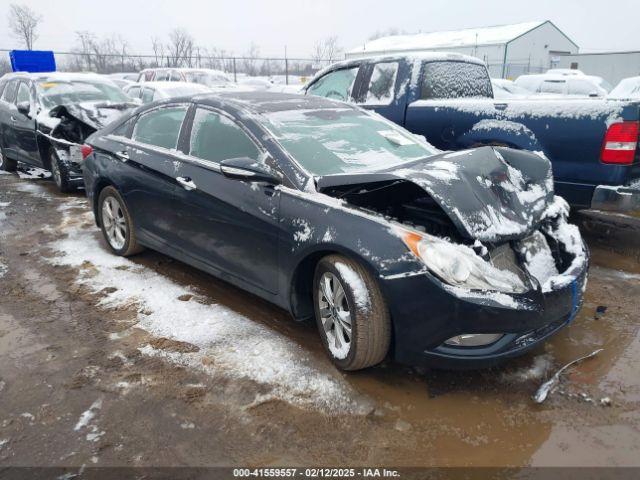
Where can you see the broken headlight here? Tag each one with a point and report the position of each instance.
(459, 266)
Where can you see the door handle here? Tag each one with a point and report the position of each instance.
(186, 183)
(123, 155)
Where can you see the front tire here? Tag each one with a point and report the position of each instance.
(351, 313)
(116, 223)
(59, 172)
(7, 164)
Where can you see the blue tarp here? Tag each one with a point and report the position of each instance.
(32, 61)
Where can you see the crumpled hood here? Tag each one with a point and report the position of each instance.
(490, 193)
(93, 114)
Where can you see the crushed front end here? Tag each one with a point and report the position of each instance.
(492, 302)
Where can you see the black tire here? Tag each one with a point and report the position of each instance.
(130, 245)
(7, 164)
(59, 172)
(369, 315)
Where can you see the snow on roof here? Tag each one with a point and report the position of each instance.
(453, 38)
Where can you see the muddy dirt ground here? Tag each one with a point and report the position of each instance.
(77, 388)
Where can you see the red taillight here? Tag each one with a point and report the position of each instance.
(620, 143)
(86, 150)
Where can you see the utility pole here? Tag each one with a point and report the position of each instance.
(286, 66)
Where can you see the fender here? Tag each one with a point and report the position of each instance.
(502, 133)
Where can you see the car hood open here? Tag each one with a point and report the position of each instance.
(490, 193)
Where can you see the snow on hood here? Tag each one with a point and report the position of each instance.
(489, 193)
(94, 114)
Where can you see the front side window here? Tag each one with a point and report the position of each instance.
(579, 86)
(335, 85)
(343, 140)
(9, 94)
(162, 76)
(175, 76)
(382, 84)
(160, 127)
(24, 95)
(215, 137)
(450, 79)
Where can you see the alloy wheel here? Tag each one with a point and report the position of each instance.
(115, 223)
(335, 314)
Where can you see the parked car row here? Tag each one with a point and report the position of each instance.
(453, 259)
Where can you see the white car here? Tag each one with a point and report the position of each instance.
(503, 88)
(214, 79)
(150, 91)
(627, 89)
(565, 85)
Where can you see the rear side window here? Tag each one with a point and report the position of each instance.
(9, 94)
(160, 127)
(134, 92)
(175, 76)
(162, 76)
(382, 84)
(455, 80)
(552, 86)
(215, 137)
(336, 85)
(147, 95)
(24, 95)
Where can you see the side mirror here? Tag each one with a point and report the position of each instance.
(24, 108)
(249, 170)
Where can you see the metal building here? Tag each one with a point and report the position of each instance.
(612, 66)
(508, 50)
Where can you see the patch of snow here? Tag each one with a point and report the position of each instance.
(355, 282)
(3, 269)
(88, 415)
(3, 443)
(33, 172)
(241, 348)
(305, 231)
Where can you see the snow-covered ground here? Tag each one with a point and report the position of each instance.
(240, 347)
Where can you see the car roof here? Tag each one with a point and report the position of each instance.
(267, 102)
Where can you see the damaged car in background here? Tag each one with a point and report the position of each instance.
(45, 117)
(454, 260)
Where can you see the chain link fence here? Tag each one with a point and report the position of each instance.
(296, 70)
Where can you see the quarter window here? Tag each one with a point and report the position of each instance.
(382, 84)
(336, 85)
(160, 127)
(215, 137)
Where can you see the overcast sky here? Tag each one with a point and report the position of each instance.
(272, 24)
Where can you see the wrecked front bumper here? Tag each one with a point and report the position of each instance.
(620, 199)
(425, 317)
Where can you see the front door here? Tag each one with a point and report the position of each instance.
(24, 126)
(229, 224)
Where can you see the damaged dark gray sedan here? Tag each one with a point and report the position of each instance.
(457, 260)
(45, 117)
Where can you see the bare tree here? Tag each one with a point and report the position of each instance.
(102, 55)
(180, 48)
(158, 51)
(250, 59)
(23, 23)
(326, 50)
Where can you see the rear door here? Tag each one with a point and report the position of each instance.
(227, 224)
(25, 126)
(147, 178)
(8, 118)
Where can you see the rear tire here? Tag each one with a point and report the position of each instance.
(7, 164)
(355, 325)
(116, 223)
(59, 172)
